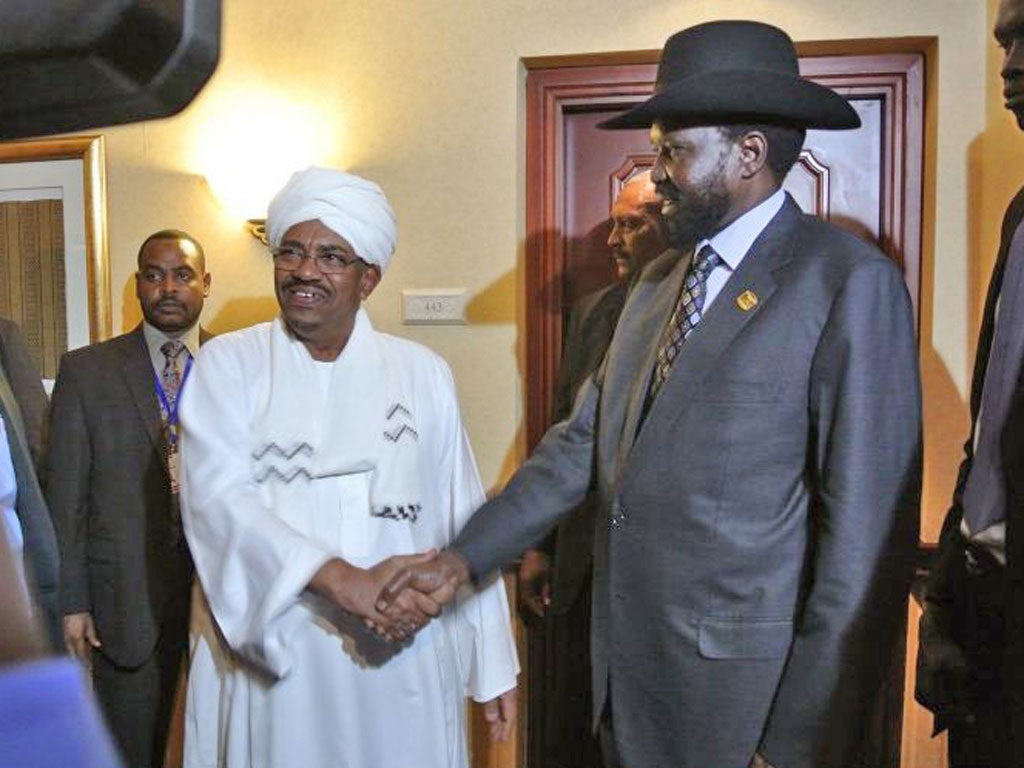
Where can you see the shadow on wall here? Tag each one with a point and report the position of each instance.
(131, 312)
(946, 426)
(495, 304)
(980, 256)
(241, 313)
(500, 303)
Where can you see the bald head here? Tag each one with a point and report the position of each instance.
(638, 230)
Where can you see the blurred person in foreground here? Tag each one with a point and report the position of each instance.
(48, 716)
(30, 531)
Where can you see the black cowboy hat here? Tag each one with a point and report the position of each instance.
(730, 72)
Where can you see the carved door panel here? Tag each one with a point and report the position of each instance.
(867, 180)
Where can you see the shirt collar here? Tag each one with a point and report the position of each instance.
(733, 242)
(155, 338)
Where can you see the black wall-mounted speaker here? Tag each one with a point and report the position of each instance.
(67, 65)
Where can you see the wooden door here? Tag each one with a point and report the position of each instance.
(867, 180)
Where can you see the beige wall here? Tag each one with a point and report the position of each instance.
(425, 96)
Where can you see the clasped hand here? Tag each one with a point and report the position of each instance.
(399, 595)
(432, 577)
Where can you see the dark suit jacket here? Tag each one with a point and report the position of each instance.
(752, 562)
(949, 558)
(23, 406)
(124, 559)
(588, 333)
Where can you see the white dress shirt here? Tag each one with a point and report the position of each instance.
(733, 242)
(155, 338)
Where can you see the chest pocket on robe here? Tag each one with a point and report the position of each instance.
(349, 527)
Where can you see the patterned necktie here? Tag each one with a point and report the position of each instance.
(170, 379)
(686, 315)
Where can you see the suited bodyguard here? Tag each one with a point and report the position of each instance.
(755, 432)
(970, 665)
(23, 414)
(112, 488)
(554, 580)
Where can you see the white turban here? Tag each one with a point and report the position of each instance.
(348, 205)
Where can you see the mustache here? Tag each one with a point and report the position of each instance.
(667, 193)
(292, 282)
(170, 303)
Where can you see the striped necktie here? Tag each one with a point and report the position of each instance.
(686, 316)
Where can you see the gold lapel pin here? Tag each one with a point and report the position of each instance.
(746, 301)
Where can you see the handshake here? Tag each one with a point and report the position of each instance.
(398, 596)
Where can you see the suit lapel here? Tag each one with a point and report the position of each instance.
(653, 315)
(726, 318)
(139, 377)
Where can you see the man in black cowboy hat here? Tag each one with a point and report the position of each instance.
(755, 434)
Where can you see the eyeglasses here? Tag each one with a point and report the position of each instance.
(330, 261)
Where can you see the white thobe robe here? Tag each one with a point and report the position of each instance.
(307, 686)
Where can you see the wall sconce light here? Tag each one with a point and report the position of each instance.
(258, 229)
(249, 143)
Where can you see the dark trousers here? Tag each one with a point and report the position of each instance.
(606, 735)
(985, 740)
(138, 702)
(559, 710)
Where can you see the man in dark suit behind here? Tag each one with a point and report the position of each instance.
(554, 581)
(23, 412)
(971, 653)
(755, 433)
(112, 489)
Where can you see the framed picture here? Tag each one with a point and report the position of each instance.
(54, 267)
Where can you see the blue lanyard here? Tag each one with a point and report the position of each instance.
(165, 405)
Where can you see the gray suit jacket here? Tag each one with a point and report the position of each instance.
(588, 333)
(123, 557)
(23, 407)
(752, 562)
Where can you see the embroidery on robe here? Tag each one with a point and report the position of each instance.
(405, 429)
(289, 455)
(285, 477)
(396, 434)
(410, 512)
(396, 408)
(273, 461)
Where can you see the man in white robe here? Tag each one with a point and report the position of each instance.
(314, 447)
